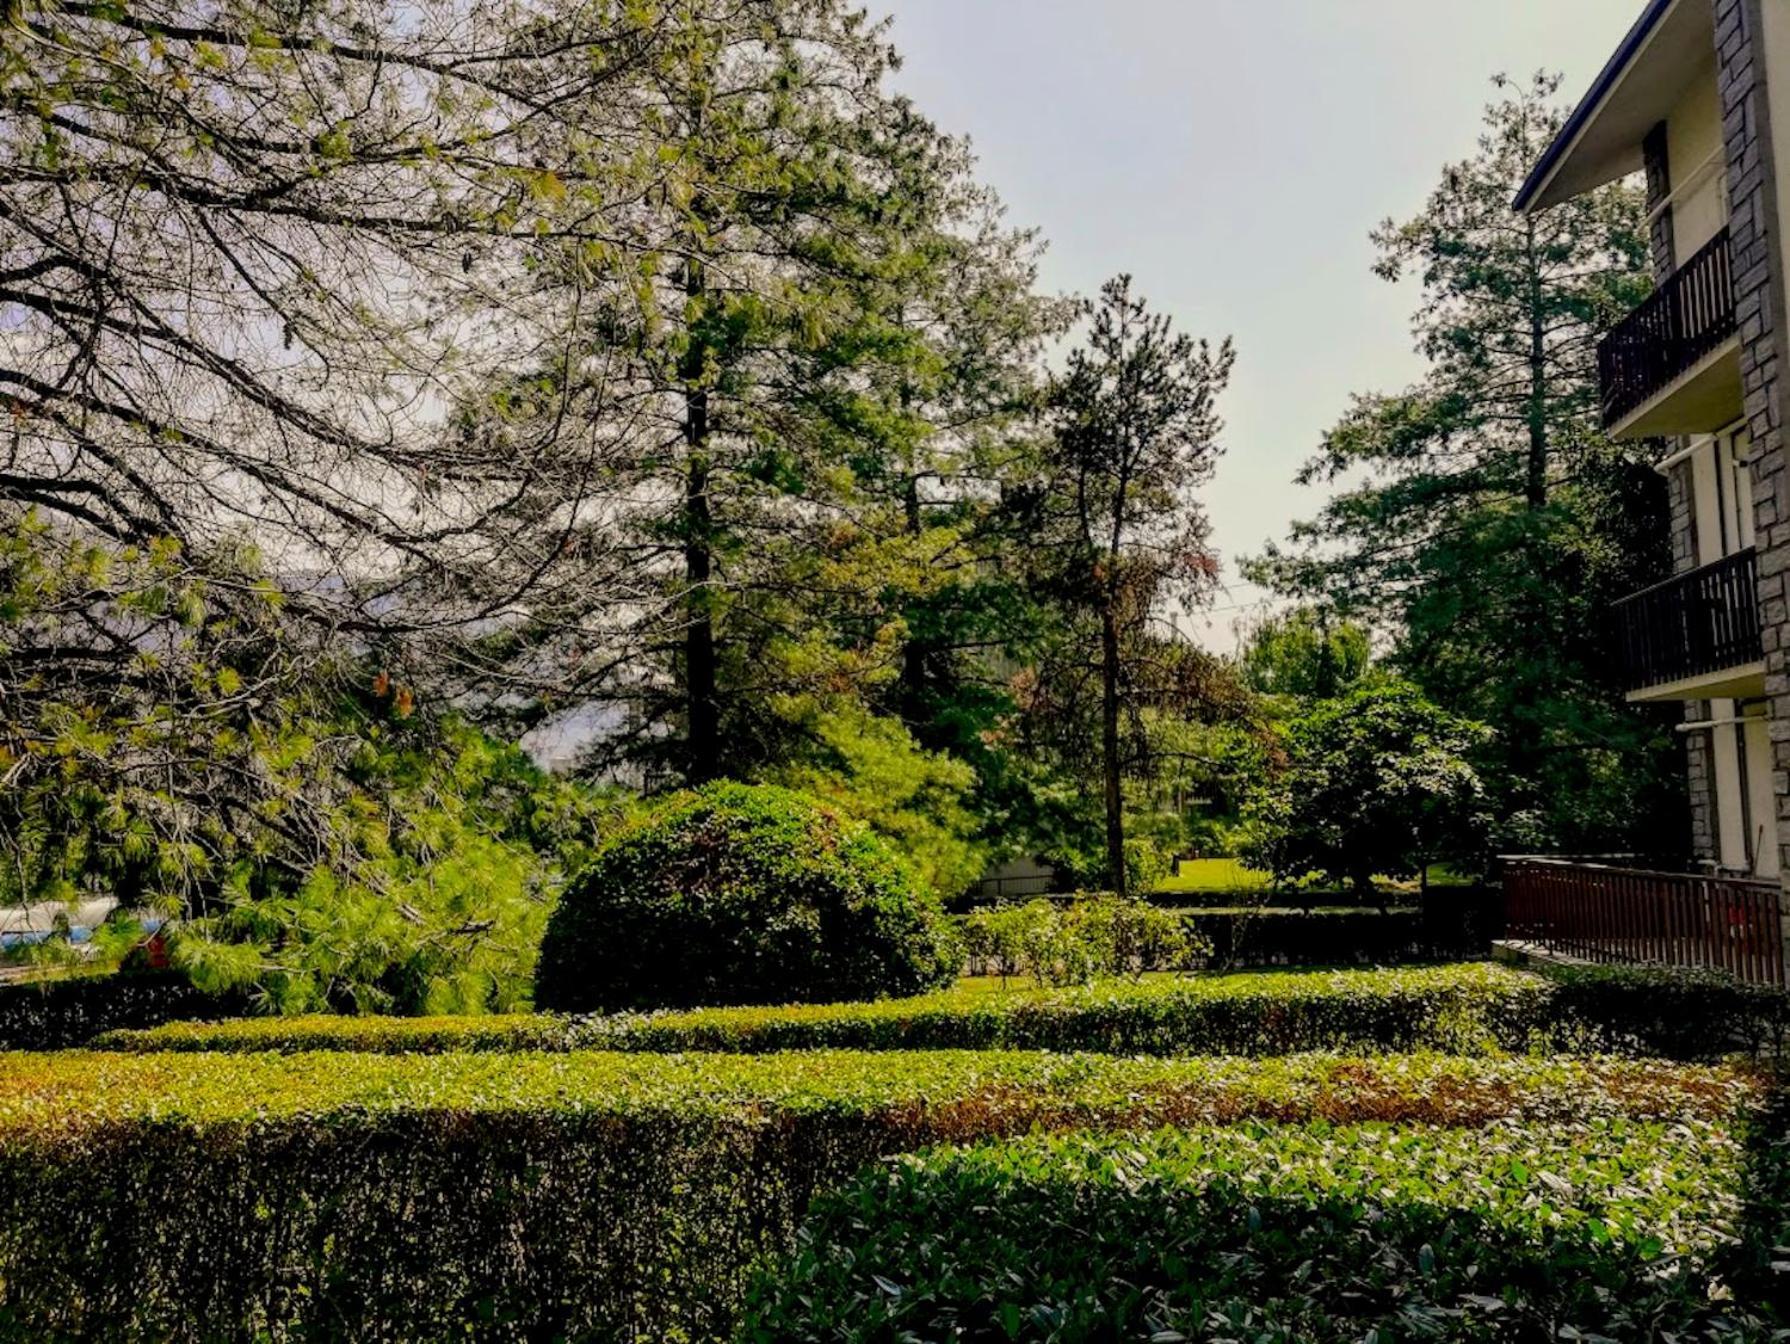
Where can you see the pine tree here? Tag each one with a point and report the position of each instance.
(1136, 430)
(1483, 518)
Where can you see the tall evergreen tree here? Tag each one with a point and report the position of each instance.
(788, 208)
(1137, 429)
(1484, 519)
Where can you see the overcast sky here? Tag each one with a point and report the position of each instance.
(1233, 155)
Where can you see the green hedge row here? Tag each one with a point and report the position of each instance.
(53, 1014)
(1468, 1007)
(1282, 937)
(590, 1196)
(1616, 1230)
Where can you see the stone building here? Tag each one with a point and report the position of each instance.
(1691, 98)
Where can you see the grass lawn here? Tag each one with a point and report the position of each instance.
(1221, 875)
(1215, 875)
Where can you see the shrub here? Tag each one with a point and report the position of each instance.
(741, 894)
(1470, 1007)
(1378, 782)
(1475, 1006)
(1073, 943)
(1276, 936)
(1613, 1230)
(593, 1196)
(1680, 1014)
(55, 1014)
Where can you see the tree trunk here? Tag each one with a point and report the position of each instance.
(1109, 747)
(913, 652)
(702, 713)
(702, 710)
(1535, 487)
(1362, 881)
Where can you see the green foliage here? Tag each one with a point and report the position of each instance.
(1135, 431)
(871, 769)
(311, 836)
(460, 842)
(54, 1013)
(1476, 1006)
(1267, 935)
(1306, 655)
(741, 894)
(1483, 520)
(1679, 1014)
(1618, 1229)
(1377, 782)
(1075, 942)
(620, 1197)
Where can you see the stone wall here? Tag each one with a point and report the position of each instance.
(1759, 312)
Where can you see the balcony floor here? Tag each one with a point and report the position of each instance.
(1701, 400)
(1746, 682)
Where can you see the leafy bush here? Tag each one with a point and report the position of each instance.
(1276, 936)
(1612, 1230)
(1679, 1014)
(741, 894)
(1073, 943)
(72, 1010)
(1378, 782)
(594, 1196)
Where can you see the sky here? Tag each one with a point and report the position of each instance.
(1233, 155)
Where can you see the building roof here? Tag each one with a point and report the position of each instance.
(1668, 46)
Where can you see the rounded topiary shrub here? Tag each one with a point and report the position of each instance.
(741, 894)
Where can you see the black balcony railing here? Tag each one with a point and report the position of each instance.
(1695, 624)
(1688, 316)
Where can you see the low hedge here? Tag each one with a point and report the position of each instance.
(1233, 934)
(1471, 1007)
(1282, 937)
(1610, 1230)
(52, 1014)
(590, 1196)
(1461, 1007)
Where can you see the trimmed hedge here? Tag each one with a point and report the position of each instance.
(1443, 1007)
(1451, 923)
(52, 1014)
(1469, 1007)
(594, 1196)
(1610, 1230)
(741, 893)
(1281, 937)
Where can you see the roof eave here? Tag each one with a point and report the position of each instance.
(1533, 193)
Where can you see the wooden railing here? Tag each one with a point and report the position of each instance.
(1693, 624)
(1688, 316)
(1607, 914)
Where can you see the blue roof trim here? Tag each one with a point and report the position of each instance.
(1581, 114)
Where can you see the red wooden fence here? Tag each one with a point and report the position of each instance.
(1630, 915)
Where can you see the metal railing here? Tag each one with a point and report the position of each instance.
(1636, 916)
(1688, 316)
(1703, 621)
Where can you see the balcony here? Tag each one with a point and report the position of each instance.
(1673, 365)
(1695, 636)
